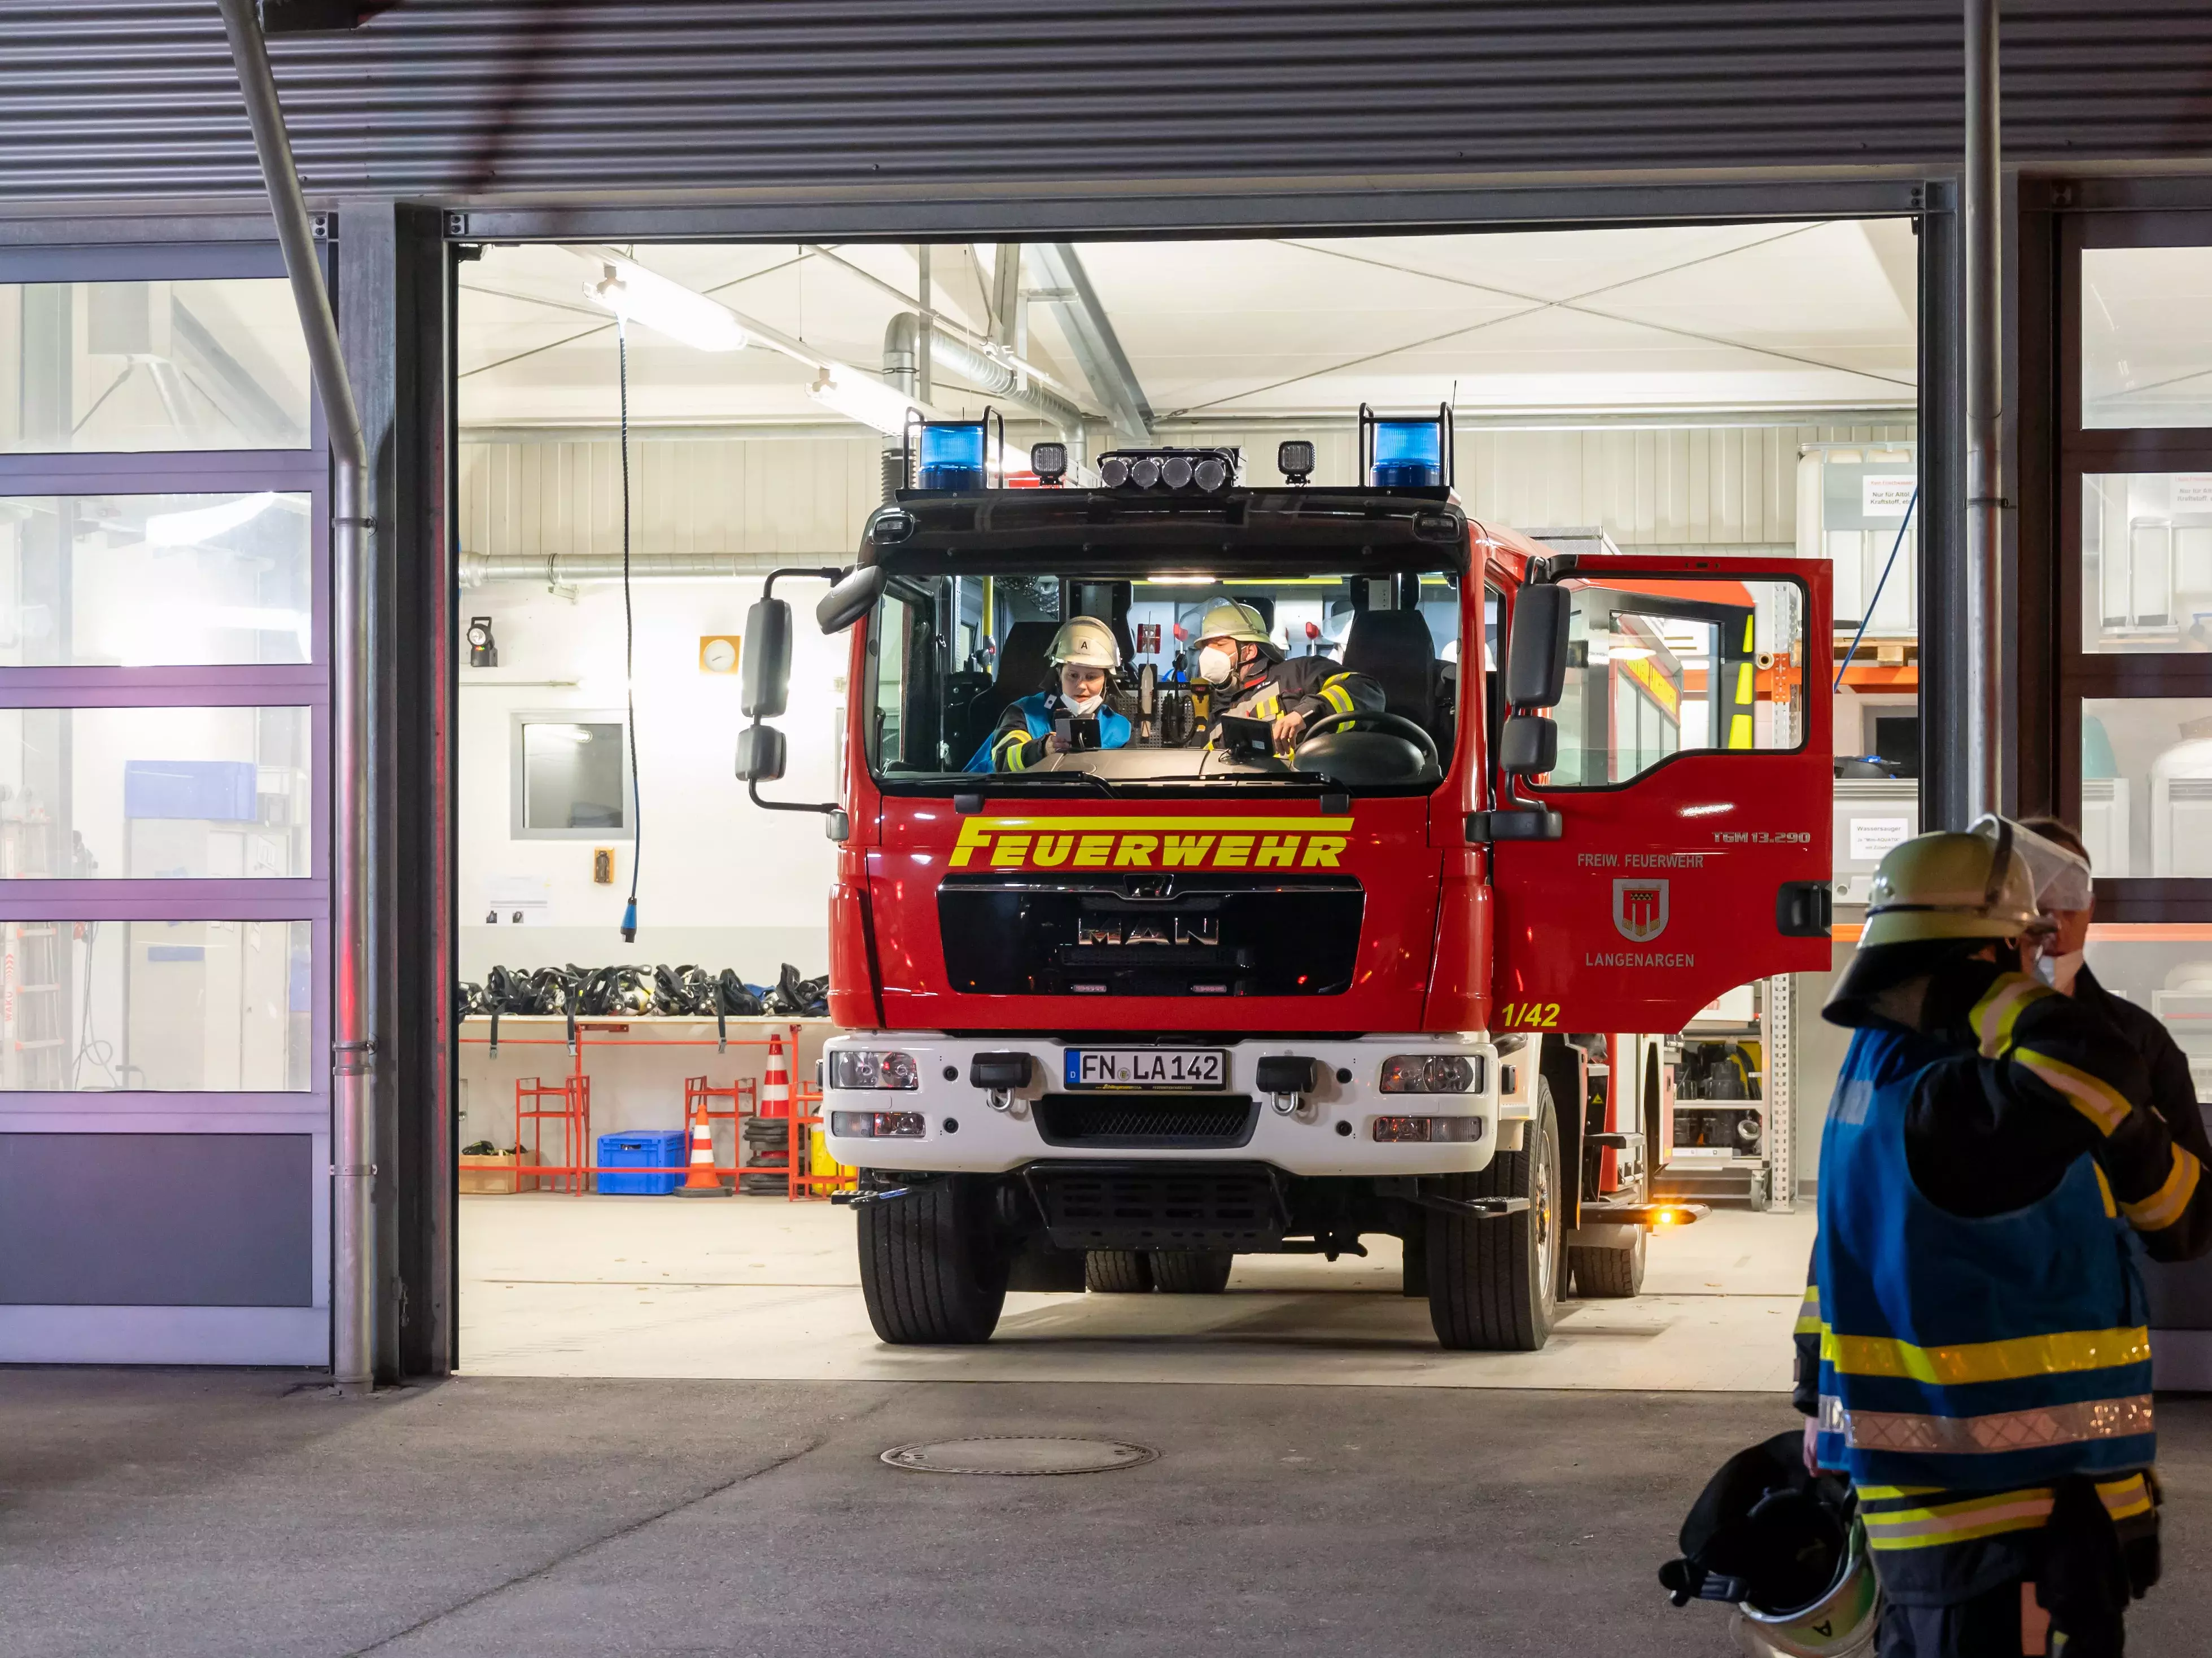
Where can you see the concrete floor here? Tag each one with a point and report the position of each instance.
(230, 1516)
(556, 1285)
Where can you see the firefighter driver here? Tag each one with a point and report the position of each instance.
(1250, 678)
(1084, 656)
(1972, 1351)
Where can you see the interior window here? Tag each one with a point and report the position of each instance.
(1656, 668)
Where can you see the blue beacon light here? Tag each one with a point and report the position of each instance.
(1408, 454)
(952, 455)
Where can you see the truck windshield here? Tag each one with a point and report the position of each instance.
(1341, 680)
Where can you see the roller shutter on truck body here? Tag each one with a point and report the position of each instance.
(456, 99)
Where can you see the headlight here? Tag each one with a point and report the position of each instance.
(870, 1067)
(1431, 1074)
(876, 1125)
(1427, 1129)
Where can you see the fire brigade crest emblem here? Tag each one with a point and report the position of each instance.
(1639, 910)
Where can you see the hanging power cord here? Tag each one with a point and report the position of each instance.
(629, 643)
(1903, 525)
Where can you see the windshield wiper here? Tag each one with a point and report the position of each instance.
(1001, 780)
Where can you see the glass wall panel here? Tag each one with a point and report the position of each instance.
(2170, 973)
(130, 367)
(2147, 785)
(2147, 562)
(2146, 336)
(153, 793)
(189, 1006)
(145, 580)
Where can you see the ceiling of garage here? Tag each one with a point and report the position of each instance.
(1701, 319)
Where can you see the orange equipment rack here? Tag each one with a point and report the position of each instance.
(575, 1090)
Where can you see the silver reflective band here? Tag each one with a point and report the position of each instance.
(1979, 1435)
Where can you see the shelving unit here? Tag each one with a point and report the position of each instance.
(1735, 1150)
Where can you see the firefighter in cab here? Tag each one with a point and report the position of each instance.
(1972, 1351)
(1248, 678)
(1071, 713)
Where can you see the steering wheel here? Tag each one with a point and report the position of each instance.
(1397, 724)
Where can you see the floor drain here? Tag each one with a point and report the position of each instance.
(1018, 1453)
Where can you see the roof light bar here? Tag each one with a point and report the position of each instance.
(1182, 471)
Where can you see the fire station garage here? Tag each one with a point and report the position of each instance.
(650, 1183)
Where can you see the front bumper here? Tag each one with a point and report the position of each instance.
(1329, 1131)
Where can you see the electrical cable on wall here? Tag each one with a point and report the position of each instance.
(629, 643)
(1903, 525)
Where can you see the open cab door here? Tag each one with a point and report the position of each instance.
(1660, 830)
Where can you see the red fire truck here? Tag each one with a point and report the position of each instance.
(1116, 1018)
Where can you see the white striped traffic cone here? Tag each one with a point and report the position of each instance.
(701, 1181)
(775, 1081)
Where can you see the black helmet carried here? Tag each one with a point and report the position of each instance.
(1786, 1547)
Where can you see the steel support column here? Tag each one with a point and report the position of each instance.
(1984, 229)
(353, 1170)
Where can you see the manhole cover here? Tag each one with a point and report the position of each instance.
(1018, 1453)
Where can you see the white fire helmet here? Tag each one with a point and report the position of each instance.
(1084, 641)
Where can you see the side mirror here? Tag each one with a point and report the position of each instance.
(1529, 746)
(852, 598)
(760, 754)
(1536, 652)
(764, 674)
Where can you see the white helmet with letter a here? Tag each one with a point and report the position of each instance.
(1084, 641)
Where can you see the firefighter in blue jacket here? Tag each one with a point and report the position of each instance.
(1973, 1350)
(1084, 656)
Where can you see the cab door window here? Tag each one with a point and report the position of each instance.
(1665, 667)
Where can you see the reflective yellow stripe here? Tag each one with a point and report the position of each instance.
(1995, 1015)
(1750, 634)
(1010, 749)
(2167, 1205)
(2104, 1191)
(1877, 1493)
(1744, 683)
(1986, 1361)
(2093, 1098)
(1740, 732)
(1337, 697)
(1269, 704)
(1987, 1517)
(1808, 1313)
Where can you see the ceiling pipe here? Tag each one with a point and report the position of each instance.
(352, 1135)
(1985, 500)
(553, 569)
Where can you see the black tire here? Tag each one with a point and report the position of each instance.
(929, 1272)
(1117, 1272)
(1494, 1284)
(1613, 1274)
(1192, 1272)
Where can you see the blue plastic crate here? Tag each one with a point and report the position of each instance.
(641, 1148)
(220, 790)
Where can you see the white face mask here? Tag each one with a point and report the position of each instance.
(2059, 972)
(1081, 707)
(1215, 665)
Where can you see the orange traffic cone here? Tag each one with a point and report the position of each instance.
(775, 1081)
(702, 1181)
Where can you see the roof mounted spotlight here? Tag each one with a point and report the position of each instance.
(1294, 459)
(1114, 470)
(1049, 462)
(1396, 452)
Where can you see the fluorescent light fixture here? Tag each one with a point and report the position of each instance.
(639, 295)
(199, 524)
(861, 398)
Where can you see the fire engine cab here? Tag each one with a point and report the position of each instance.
(1176, 990)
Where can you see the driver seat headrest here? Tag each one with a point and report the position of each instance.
(1396, 649)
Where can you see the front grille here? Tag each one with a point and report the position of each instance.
(1133, 1121)
(1140, 1208)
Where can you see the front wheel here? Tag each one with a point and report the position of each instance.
(1494, 1283)
(1612, 1270)
(929, 1271)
